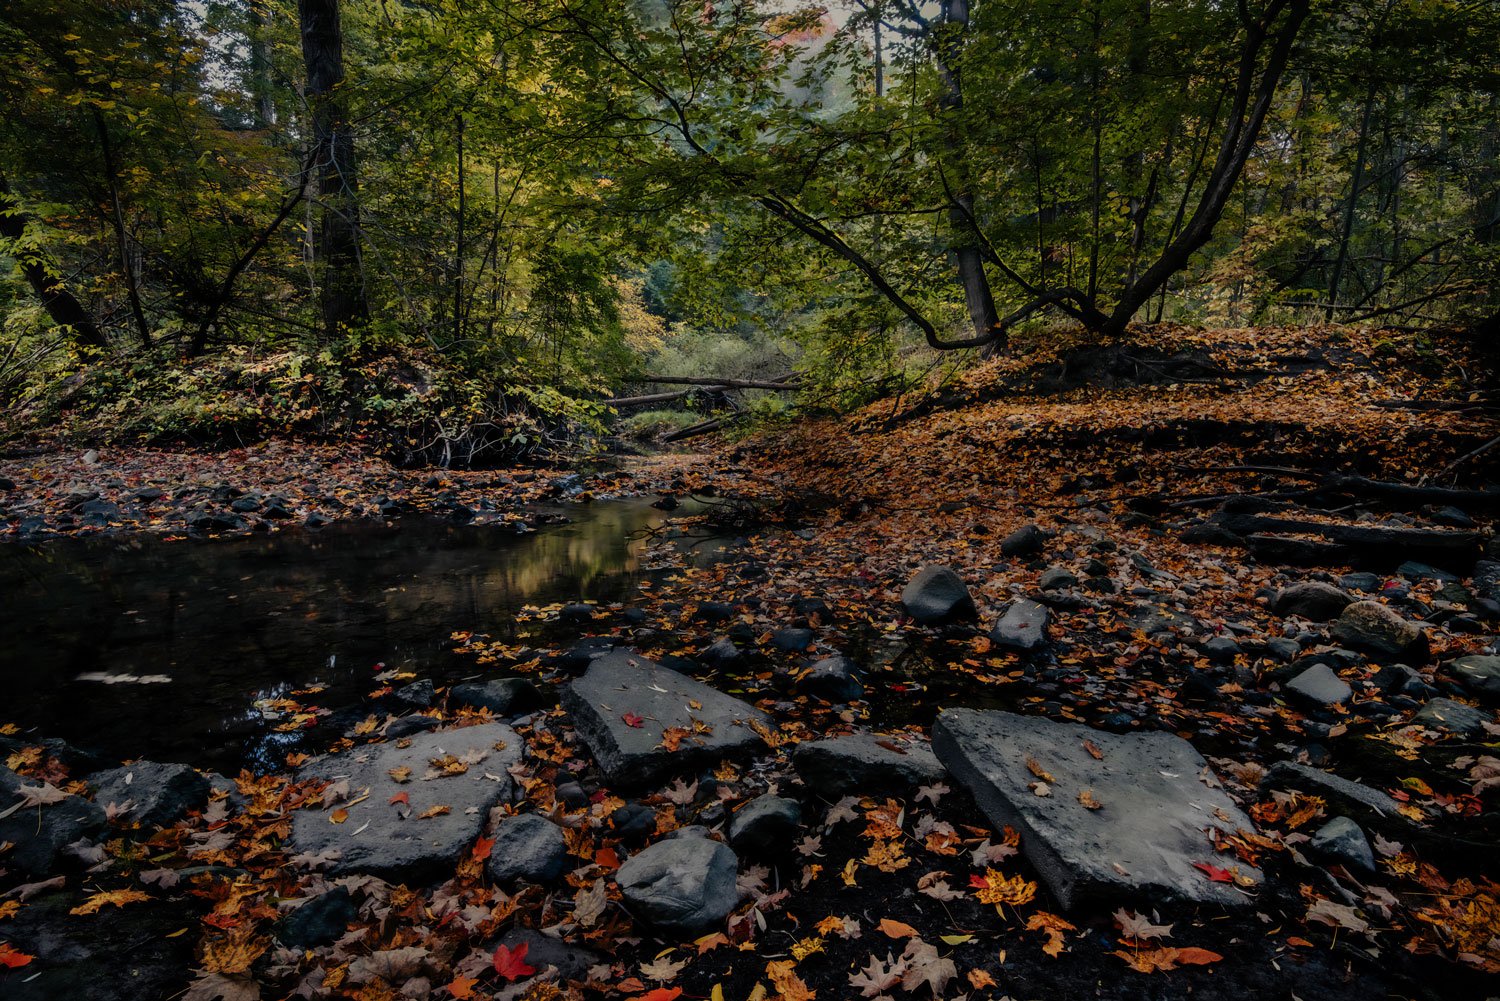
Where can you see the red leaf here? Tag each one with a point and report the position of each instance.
(631, 719)
(1214, 873)
(482, 848)
(661, 994)
(512, 965)
(401, 798)
(11, 958)
(979, 882)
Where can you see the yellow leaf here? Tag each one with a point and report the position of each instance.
(956, 939)
(118, 898)
(338, 816)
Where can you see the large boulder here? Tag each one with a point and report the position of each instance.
(158, 794)
(683, 886)
(1022, 627)
(937, 595)
(501, 696)
(1028, 540)
(864, 762)
(765, 826)
(527, 847)
(1480, 675)
(1148, 830)
(40, 833)
(1453, 717)
(1312, 599)
(1375, 629)
(624, 705)
(465, 771)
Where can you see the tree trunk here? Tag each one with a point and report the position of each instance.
(336, 244)
(1346, 231)
(260, 67)
(61, 305)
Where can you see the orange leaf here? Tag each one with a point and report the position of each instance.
(11, 958)
(462, 987)
(403, 798)
(1194, 956)
(661, 994)
(482, 848)
(117, 897)
(897, 929)
(631, 719)
(338, 816)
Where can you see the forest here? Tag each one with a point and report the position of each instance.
(909, 500)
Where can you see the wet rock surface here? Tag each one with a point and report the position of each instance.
(683, 886)
(938, 595)
(156, 794)
(527, 847)
(865, 762)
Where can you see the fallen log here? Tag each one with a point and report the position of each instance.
(641, 401)
(1370, 546)
(1388, 490)
(694, 430)
(784, 382)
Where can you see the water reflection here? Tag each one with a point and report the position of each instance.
(92, 627)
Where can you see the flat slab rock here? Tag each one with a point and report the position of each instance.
(390, 840)
(622, 689)
(1153, 824)
(864, 762)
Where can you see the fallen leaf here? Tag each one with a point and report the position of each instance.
(119, 898)
(896, 929)
(511, 964)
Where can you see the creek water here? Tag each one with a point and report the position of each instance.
(133, 646)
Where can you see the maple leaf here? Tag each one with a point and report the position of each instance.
(979, 979)
(511, 963)
(925, 966)
(1137, 927)
(217, 986)
(994, 888)
(681, 793)
(12, 958)
(434, 811)
(1053, 927)
(662, 969)
(1337, 915)
(589, 903)
(461, 987)
(841, 811)
(394, 966)
(986, 853)
(672, 737)
(482, 848)
(1214, 873)
(784, 978)
(631, 719)
(878, 977)
(896, 929)
(118, 898)
(935, 886)
(932, 793)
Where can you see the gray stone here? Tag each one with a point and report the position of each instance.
(1399, 679)
(40, 833)
(1283, 648)
(527, 847)
(1023, 626)
(623, 685)
(1345, 795)
(685, 886)
(938, 595)
(864, 762)
(1479, 674)
(1221, 648)
(576, 614)
(1362, 581)
(1057, 578)
(793, 639)
(720, 654)
(420, 694)
(1454, 717)
(832, 678)
(1143, 842)
(1375, 629)
(1312, 599)
(501, 696)
(1319, 686)
(1027, 540)
(1341, 840)
(766, 825)
(397, 844)
(161, 793)
(570, 961)
(322, 920)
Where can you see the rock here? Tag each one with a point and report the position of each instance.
(1375, 629)
(398, 845)
(576, 614)
(1341, 840)
(624, 686)
(405, 726)
(1398, 679)
(1318, 686)
(1023, 626)
(937, 595)
(685, 886)
(813, 609)
(577, 658)
(1344, 795)
(721, 654)
(1283, 648)
(215, 521)
(419, 694)
(1142, 843)
(1221, 649)
(529, 847)
(1413, 570)
(864, 762)
(1057, 578)
(832, 679)
(162, 793)
(571, 962)
(1480, 675)
(41, 833)
(1454, 717)
(633, 823)
(1362, 581)
(714, 611)
(321, 920)
(1028, 540)
(1312, 599)
(501, 696)
(793, 640)
(765, 826)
